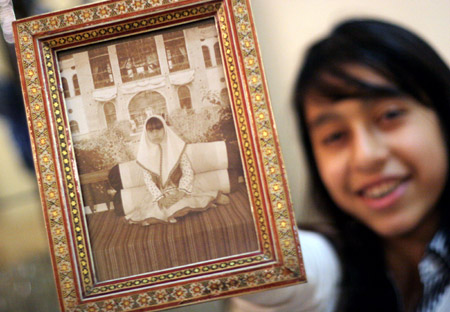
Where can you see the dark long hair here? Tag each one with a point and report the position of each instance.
(416, 70)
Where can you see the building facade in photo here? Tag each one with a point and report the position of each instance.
(133, 78)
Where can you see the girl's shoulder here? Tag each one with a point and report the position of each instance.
(321, 259)
(320, 293)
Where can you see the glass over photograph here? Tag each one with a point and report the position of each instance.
(155, 144)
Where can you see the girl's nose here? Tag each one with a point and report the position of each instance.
(370, 151)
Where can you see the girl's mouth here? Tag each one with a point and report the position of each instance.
(381, 190)
(384, 194)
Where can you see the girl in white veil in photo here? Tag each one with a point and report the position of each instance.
(168, 176)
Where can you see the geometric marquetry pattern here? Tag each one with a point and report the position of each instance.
(266, 136)
(255, 126)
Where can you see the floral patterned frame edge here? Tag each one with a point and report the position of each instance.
(277, 263)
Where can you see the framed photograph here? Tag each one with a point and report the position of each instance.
(158, 163)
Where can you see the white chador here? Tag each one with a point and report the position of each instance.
(167, 171)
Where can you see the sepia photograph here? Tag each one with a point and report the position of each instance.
(157, 154)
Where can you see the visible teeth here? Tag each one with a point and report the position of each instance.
(381, 190)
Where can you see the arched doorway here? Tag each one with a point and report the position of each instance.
(206, 56)
(145, 104)
(184, 95)
(217, 53)
(74, 127)
(76, 85)
(65, 86)
(110, 113)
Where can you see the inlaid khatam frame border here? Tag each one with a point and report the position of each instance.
(279, 260)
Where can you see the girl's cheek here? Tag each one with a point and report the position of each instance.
(332, 168)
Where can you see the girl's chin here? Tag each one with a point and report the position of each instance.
(392, 232)
(396, 228)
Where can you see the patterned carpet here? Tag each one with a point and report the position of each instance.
(121, 249)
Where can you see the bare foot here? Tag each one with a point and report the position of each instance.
(222, 200)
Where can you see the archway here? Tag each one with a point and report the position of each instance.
(110, 113)
(206, 56)
(184, 95)
(217, 53)
(76, 85)
(74, 127)
(144, 104)
(65, 86)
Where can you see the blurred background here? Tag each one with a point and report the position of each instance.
(285, 28)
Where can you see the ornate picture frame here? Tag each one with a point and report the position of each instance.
(91, 77)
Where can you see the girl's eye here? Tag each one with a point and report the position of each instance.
(334, 138)
(391, 116)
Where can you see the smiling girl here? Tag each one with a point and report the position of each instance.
(373, 102)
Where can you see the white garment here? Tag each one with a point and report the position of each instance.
(160, 163)
(160, 159)
(444, 302)
(319, 294)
